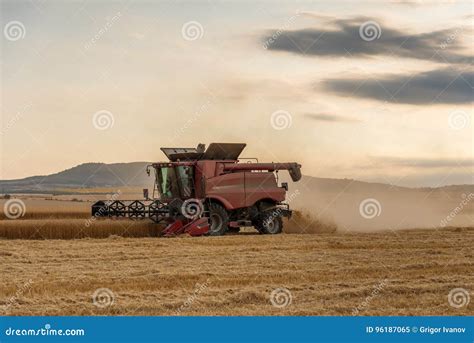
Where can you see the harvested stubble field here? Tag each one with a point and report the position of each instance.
(384, 273)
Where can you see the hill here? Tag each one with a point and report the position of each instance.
(87, 175)
(341, 201)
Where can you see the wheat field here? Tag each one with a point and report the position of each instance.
(54, 219)
(58, 265)
(327, 274)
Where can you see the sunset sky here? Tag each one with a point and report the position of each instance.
(363, 90)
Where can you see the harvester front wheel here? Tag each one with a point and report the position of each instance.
(269, 222)
(219, 220)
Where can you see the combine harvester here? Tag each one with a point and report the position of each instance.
(210, 192)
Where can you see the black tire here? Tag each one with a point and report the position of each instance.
(269, 223)
(219, 220)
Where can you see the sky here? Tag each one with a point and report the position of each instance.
(374, 91)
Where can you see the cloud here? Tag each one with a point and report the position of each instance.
(341, 37)
(449, 86)
(329, 118)
(424, 162)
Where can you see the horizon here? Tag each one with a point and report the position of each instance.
(304, 175)
(377, 95)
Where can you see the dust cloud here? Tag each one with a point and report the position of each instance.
(359, 206)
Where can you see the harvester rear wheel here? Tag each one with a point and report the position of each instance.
(269, 222)
(219, 220)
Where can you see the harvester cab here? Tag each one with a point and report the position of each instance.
(209, 192)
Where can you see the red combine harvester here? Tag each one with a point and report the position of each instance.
(210, 192)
